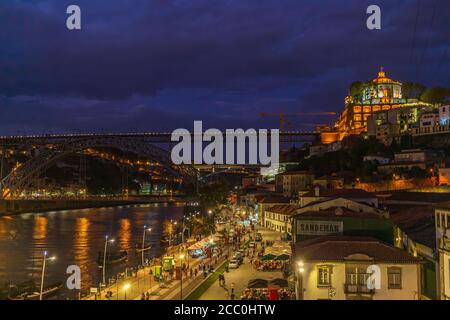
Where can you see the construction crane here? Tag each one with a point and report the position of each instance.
(282, 116)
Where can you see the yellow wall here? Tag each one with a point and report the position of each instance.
(409, 291)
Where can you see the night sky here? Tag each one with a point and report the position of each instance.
(154, 65)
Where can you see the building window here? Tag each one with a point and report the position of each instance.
(394, 278)
(323, 276)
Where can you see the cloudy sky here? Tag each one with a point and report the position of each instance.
(151, 65)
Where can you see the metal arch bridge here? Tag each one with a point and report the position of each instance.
(64, 144)
(153, 137)
(21, 177)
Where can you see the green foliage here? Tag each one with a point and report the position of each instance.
(406, 142)
(435, 95)
(349, 158)
(201, 289)
(295, 154)
(411, 90)
(356, 88)
(414, 172)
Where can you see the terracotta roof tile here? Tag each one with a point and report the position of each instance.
(288, 209)
(339, 248)
(339, 212)
(340, 193)
(274, 199)
(418, 223)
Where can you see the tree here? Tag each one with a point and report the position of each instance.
(356, 88)
(412, 90)
(435, 95)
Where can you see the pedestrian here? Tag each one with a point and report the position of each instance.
(143, 296)
(147, 296)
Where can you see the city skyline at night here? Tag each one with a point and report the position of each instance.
(230, 157)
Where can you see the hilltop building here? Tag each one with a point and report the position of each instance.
(379, 95)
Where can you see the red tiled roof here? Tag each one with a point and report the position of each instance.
(441, 199)
(340, 193)
(287, 173)
(329, 178)
(443, 205)
(287, 209)
(418, 223)
(274, 199)
(339, 248)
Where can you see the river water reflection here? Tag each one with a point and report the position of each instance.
(76, 237)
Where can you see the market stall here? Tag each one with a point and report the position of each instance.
(260, 289)
(203, 248)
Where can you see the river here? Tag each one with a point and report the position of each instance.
(75, 237)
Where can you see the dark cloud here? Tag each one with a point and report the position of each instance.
(150, 64)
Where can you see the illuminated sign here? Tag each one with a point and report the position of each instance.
(317, 228)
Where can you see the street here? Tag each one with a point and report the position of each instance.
(242, 275)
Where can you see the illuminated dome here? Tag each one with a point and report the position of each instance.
(381, 78)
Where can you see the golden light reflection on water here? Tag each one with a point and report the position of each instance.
(40, 231)
(4, 235)
(40, 228)
(124, 234)
(81, 248)
(76, 237)
(4, 231)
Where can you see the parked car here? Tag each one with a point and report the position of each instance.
(233, 264)
(237, 256)
(258, 237)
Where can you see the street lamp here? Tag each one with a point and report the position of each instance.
(126, 286)
(143, 242)
(43, 272)
(181, 276)
(104, 257)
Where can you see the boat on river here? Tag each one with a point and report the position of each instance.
(29, 290)
(139, 248)
(112, 259)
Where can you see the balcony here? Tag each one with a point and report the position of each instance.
(357, 288)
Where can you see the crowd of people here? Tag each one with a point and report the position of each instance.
(269, 265)
(264, 294)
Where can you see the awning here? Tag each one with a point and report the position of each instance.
(282, 283)
(268, 256)
(257, 284)
(283, 257)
